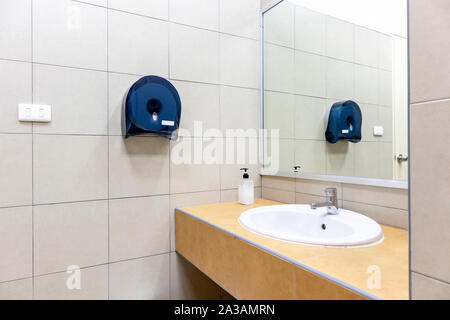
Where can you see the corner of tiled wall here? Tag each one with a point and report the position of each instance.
(73, 191)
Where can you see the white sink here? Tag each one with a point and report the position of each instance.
(300, 223)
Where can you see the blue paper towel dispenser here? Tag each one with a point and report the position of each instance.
(151, 106)
(343, 121)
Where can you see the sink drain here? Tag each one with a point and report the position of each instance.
(324, 227)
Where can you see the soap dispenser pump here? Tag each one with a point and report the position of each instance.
(246, 189)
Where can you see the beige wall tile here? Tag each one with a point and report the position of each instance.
(94, 285)
(189, 63)
(15, 88)
(388, 197)
(239, 61)
(185, 200)
(187, 237)
(278, 112)
(310, 30)
(55, 41)
(309, 286)
(310, 155)
(310, 74)
(278, 195)
(370, 119)
(79, 100)
(141, 279)
(138, 227)
(279, 71)
(340, 39)
(198, 13)
(367, 159)
(69, 168)
(316, 187)
(260, 275)
(192, 177)
(129, 36)
(189, 283)
(70, 234)
(17, 290)
(239, 108)
(388, 216)
(15, 243)
(430, 66)
(340, 158)
(367, 45)
(281, 183)
(430, 189)
(301, 198)
(385, 51)
(200, 103)
(240, 18)
(216, 256)
(279, 25)
(309, 114)
(15, 170)
(366, 84)
(385, 119)
(340, 79)
(15, 17)
(385, 87)
(138, 166)
(151, 8)
(424, 288)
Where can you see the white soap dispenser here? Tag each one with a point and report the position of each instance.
(246, 189)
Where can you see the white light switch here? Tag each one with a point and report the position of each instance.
(35, 113)
(378, 131)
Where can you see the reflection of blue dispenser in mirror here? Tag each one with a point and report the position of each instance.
(152, 106)
(343, 121)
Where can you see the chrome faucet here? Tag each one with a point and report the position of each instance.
(331, 203)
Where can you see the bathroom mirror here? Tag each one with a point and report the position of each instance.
(317, 53)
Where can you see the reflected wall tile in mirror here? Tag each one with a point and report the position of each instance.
(366, 84)
(340, 39)
(310, 30)
(309, 117)
(278, 68)
(309, 74)
(340, 158)
(367, 47)
(279, 25)
(311, 156)
(385, 120)
(370, 119)
(385, 87)
(366, 159)
(385, 52)
(278, 113)
(340, 79)
(286, 153)
(385, 158)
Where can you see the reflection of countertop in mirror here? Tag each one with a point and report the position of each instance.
(347, 267)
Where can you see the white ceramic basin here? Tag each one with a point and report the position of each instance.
(300, 223)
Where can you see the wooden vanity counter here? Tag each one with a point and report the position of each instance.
(252, 266)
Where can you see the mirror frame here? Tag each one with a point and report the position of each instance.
(386, 183)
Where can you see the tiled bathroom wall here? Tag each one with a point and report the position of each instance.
(385, 205)
(312, 61)
(430, 152)
(73, 191)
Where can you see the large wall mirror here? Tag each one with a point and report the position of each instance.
(319, 53)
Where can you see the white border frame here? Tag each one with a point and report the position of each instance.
(395, 184)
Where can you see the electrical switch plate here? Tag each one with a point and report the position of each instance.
(378, 131)
(35, 113)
